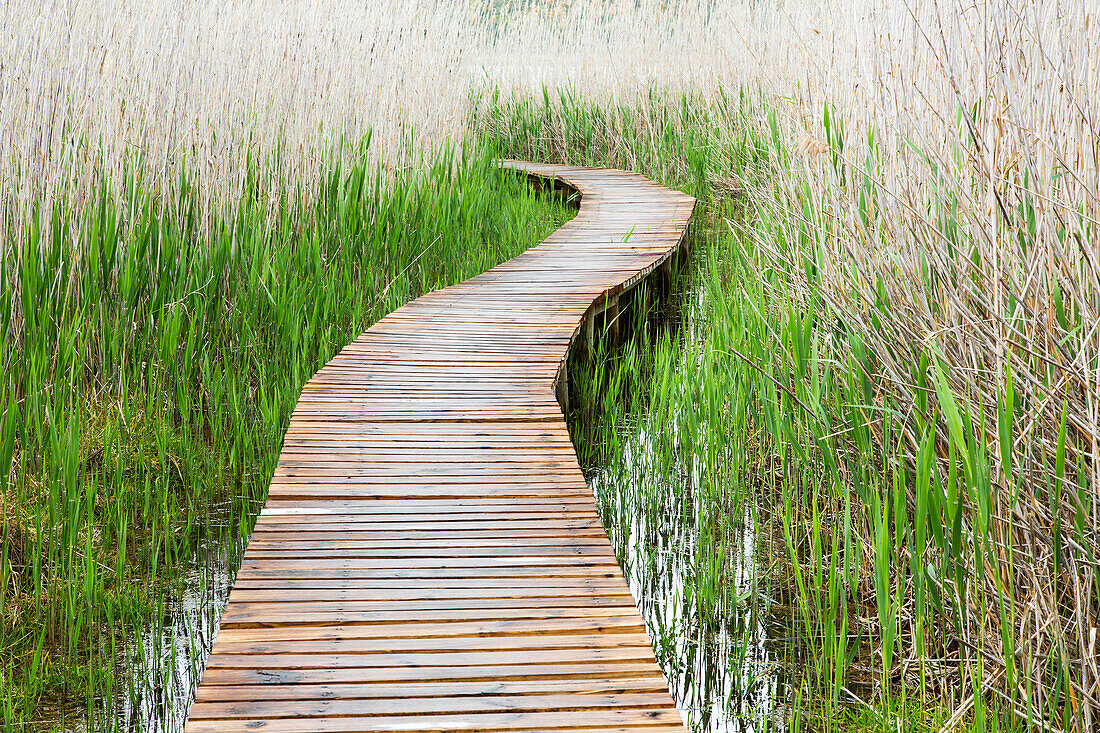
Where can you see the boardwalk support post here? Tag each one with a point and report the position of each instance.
(561, 386)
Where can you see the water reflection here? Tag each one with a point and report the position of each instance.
(686, 538)
(165, 662)
(722, 656)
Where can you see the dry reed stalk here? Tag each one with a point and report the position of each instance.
(955, 216)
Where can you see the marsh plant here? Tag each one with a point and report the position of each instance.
(937, 540)
(896, 343)
(149, 374)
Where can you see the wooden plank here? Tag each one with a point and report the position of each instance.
(646, 719)
(467, 673)
(430, 557)
(429, 644)
(367, 691)
(630, 624)
(265, 615)
(433, 705)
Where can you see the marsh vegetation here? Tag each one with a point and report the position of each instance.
(854, 487)
(151, 379)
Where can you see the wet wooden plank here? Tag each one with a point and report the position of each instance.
(587, 686)
(430, 557)
(591, 720)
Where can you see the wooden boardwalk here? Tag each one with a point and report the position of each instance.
(430, 557)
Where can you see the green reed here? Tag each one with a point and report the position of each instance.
(760, 464)
(151, 361)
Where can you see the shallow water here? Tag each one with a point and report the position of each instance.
(166, 663)
(687, 542)
(723, 659)
(162, 666)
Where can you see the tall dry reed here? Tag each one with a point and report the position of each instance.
(930, 179)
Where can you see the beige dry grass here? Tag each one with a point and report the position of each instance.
(968, 233)
(93, 87)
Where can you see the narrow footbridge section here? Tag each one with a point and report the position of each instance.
(430, 557)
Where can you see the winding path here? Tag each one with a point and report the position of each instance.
(430, 557)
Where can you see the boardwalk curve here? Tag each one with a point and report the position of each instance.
(430, 557)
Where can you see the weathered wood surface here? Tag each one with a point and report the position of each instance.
(429, 557)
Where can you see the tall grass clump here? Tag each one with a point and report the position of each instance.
(150, 369)
(935, 496)
(938, 240)
(90, 90)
